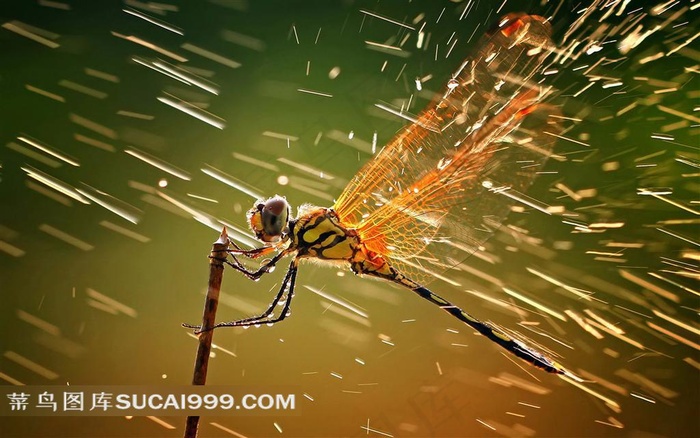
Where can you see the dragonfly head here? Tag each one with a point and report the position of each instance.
(269, 219)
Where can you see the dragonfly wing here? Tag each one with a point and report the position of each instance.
(443, 184)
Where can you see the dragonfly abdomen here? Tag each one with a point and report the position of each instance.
(502, 339)
(384, 270)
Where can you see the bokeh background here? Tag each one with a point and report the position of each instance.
(106, 309)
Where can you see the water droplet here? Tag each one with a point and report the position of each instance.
(335, 71)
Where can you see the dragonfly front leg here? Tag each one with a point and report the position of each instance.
(250, 253)
(265, 317)
(264, 269)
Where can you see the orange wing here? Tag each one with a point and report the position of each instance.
(440, 187)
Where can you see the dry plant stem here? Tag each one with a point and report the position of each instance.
(216, 272)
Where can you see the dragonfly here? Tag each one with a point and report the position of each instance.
(435, 192)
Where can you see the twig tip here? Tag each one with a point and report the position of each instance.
(223, 238)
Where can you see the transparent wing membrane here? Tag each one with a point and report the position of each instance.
(444, 184)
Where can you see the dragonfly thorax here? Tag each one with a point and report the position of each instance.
(318, 233)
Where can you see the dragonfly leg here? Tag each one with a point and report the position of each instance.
(251, 253)
(287, 288)
(264, 269)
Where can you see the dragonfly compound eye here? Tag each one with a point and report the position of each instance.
(268, 219)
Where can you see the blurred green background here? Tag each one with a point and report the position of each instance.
(437, 379)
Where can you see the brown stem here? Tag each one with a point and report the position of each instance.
(216, 273)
